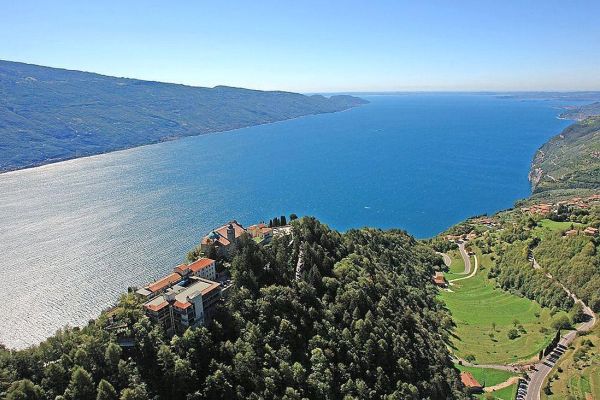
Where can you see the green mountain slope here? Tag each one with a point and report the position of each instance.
(49, 114)
(570, 160)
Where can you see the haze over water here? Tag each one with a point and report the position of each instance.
(75, 235)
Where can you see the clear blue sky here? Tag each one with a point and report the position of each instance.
(319, 45)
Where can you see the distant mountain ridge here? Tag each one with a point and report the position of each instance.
(51, 114)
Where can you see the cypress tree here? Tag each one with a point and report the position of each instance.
(106, 391)
(81, 386)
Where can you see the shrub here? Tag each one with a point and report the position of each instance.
(577, 313)
(513, 334)
(561, 321)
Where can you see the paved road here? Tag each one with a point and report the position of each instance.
(465, 256)
(542, 369)
(467, 260)
(446, 257)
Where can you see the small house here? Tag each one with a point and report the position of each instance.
(470, 382)
(571, 232)
(439, 280)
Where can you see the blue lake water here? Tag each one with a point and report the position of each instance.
(76, 234)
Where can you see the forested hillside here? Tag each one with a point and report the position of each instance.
(50, 114)
(359, 320)
(575, 262)
(513, 271)
(570, 160)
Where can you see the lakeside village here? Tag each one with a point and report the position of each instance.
(187, 296)
(541, 210)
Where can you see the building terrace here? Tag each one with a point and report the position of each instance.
(189, 303)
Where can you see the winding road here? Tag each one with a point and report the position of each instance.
(467, 260)
(446, 257)
(533, 388)
(465, 256)
(530, 389)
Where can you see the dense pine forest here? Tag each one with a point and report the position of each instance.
(356, 318)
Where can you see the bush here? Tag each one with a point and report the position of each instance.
(579, 354)
(512, 334)
(561, 321)
(577, 313)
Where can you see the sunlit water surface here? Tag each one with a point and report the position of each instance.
(76, 234)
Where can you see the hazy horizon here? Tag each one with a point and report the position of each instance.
(311, 47)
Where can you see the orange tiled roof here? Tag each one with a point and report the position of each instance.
(200, 264)
(260, 225)
(221, 234)
(180, 269)
(259, 229)
(181, 305)
(468, 380)
(156, 307)
(164, 282)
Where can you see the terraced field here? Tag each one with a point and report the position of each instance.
(485, 314)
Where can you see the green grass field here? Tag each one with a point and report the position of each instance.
(487, 376)
(484, 314)
(457, 266)
(508, 393)
(546, 226)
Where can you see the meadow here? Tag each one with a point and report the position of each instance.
(491, 377)
(484, 315)
(507, 393)
(457, 266)
(487, 376)
(547, 226)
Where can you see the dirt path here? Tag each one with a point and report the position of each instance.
(511, 368)
(507, 383)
